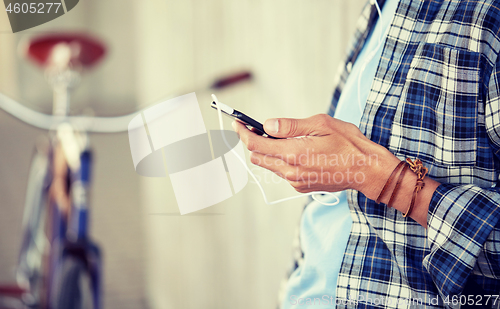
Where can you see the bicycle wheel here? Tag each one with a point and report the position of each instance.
(73, 290)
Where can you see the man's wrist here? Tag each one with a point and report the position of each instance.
(377, 172)
(377, 176)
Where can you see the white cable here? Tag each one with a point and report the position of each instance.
(312, 194)
(379, 11)
(372, 54)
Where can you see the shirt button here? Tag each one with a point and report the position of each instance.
(349, 67)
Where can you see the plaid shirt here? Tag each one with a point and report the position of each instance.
(436, 97)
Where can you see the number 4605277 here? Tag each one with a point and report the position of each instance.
(33, 8)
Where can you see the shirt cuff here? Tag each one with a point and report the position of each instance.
(459, 220)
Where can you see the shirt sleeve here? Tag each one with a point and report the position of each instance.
(460, 222)
(463, 220)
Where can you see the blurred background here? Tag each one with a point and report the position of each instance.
(234, 254)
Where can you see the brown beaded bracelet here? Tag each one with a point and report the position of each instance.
(418, 168)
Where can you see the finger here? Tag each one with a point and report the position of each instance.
(277, 166)
(290, 127)
(260, 144)
(303, 186)
(249, 127)
(302, 181)
(254, 130)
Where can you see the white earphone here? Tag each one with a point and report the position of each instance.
(371, 55)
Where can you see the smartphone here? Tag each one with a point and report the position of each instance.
(249, 121)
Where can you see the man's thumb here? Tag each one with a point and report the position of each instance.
(288, 127)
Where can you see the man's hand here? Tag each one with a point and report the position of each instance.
(320, 153)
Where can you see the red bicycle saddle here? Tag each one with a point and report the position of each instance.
(90, 50)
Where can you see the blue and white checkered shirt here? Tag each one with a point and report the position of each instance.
(436, 97)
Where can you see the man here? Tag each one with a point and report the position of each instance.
(434, 96)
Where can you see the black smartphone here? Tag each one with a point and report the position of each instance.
(247, 120)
